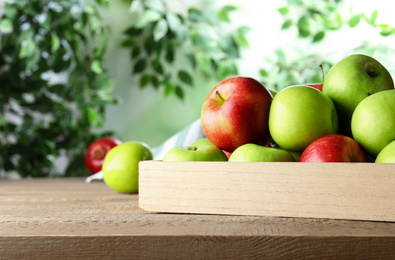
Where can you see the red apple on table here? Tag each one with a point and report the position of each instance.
(97, 151)
(333, 148)
(236, 112)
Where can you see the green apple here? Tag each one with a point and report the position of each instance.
(195, 153)
(257, 153)
(202, 141)
(351, 80)
(121, 166)
(299, 115)
(387, 155)
(373, 122)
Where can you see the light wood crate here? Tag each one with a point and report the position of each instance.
(356, 191)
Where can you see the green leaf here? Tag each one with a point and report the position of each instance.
(179, 92)
(136, 51)
(373, 18)
(173, 21)
(92, 115)
(55, 42)
(185, 77)
(27, 49)
(303, 26)
(6, 25)
(136, 6)
(286, 24)
(140, 65)
(10, 12)
(263, 73)
(144, 80)
(195, 15)
(96, 67)
(33, 58)
(129, 42)
(240, 38)
(160, 29)
(203, 62)
(146, 17)
(354, 21)
(319, 36)
(223, 13)
(157, 66)
(222, 71)
(386, 29)
(132, 31)
(283, 10)
(157, 5)
(168, 89)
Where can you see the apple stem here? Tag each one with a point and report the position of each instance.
(219, 95)
(322, 73)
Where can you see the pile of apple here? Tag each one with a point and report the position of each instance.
(348, 118)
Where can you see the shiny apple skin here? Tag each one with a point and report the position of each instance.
(333, 148)
(97, 151)
(239, 115)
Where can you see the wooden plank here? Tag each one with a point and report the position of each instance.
(357, 191)
(70, 219)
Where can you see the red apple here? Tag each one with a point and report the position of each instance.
(318, 85)
(97, 151)
(236, 112)
(228, 154)
(333, 148)
(315, 85)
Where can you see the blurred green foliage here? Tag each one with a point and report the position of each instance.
(54, 89)
(168, 49)
(313, 21)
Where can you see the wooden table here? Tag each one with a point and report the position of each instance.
(70, 219)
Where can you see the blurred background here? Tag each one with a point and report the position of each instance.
(76, 70)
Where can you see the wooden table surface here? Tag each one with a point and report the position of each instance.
(71, 219)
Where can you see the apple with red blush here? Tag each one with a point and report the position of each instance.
(333, 148)
(318, 85)
(315, 85)
(236, 112)
(97, 151)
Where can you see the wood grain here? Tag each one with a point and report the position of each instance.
(70, 219)
(358, 191)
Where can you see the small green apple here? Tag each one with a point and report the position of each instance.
(121, 166)
(373, 122)
(351, 80)
(202, 141)
(387, 155)
(299, 115)
(257, 153)
(195, 153)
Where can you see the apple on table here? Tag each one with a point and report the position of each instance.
(121, 166)
(97, 151)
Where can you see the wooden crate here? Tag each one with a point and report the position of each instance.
(356, 191)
